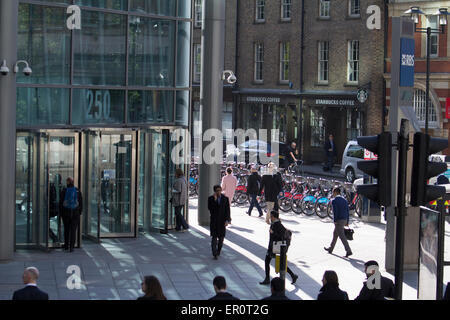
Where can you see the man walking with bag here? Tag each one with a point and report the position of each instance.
(219, 209)
(71, 205)
(277, 233)
(341, 218)
(271, 185)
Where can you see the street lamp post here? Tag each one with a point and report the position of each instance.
(442, 13)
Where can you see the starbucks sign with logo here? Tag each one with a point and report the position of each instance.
(362, 94)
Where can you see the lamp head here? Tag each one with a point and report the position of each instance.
(442, 13)
(414, 12)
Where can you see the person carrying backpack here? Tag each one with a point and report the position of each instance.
(277, 233)
(71, 205)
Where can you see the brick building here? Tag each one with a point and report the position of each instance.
(340, 56)
(439, 65)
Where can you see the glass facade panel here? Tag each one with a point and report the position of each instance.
(42, 106)
(150, 106)
(151, 52)
(99, 49)
(108, 4)
(183, 53)
(182, 110)
(159, 7)
(44, 41)
(159, 178)
(98, 106)
(184, 8)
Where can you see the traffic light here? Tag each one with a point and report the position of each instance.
(421, 192)
(379, 169)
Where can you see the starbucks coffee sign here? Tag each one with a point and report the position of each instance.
(336, 102)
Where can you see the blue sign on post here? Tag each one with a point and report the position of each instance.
(406, 62)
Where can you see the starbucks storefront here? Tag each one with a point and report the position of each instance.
(102, 105)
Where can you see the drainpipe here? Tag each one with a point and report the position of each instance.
(299, 118)
(236, 61)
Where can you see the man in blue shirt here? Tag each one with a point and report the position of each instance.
(341, 217)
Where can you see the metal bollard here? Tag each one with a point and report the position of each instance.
(283, 263)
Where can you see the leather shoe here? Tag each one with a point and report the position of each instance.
(328, 250)
(215, 257)
(265, 282)
(249, 214)
(294, 278)
(348, 254)
(260, 215)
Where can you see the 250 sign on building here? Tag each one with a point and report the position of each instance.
(98, 105)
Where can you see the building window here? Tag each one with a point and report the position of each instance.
(354, 124)
(259, 61)
(432, 22)
(198, 14)
(324, 9)
(284, 61)
(323, 61)
(286, 9)
(317, 124)
(353, 61)
(197, 62)
(420, 109)
(354, 8)
(260, 4)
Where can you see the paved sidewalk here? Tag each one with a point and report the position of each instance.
(184, 265)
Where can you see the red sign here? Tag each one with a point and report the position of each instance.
(447, 108)
(369, 155)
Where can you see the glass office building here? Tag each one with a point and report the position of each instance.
(101, 106)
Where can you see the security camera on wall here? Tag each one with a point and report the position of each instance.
(26, 71)
(4, 70)
(231, 78)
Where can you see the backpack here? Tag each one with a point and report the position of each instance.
(71, 198)
(287, 236)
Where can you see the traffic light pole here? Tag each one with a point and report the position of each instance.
(403, 146)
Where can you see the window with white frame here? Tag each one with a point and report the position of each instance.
(198, 14)
(260, 4)
(433, 23)
(284, 61)
(197, 62)
(324, 8)
(420, 109)
(317, 124)
(259, 61)
(353, 61)
(286, 9)
(354, 8)
(323, 61)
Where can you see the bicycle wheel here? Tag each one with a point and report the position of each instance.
(297, 206)
(284, 204)
(308, 207)
(240, 197)
(330, 211)
(321, 208)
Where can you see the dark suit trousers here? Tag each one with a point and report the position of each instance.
(71, 220)
(216, 245)
(267, 267)
(179, 219)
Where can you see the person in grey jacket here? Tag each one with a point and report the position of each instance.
(179, 198)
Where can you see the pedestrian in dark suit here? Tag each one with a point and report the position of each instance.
(277, 233)
(386, 285)
(219, 209)
(330, 151)
(341, 217)
(330, 289)
(253, 190)
(31, 291)
(220, 287)
(71, 206)
(152, 289)
(277, 289)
